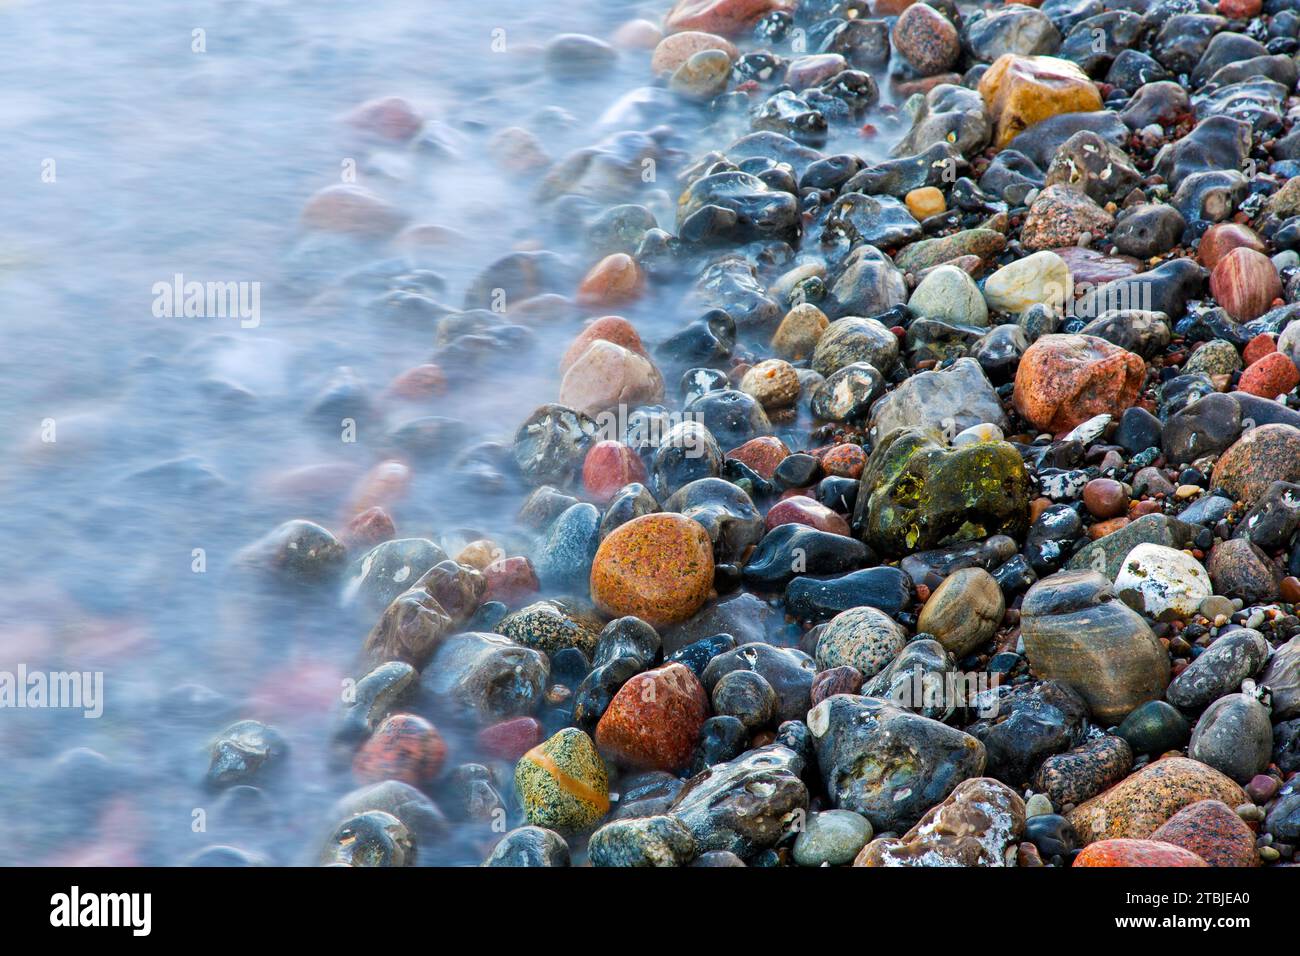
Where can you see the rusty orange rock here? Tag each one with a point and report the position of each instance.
(844, 461)
(1136, 853)
(1142, 802)
(1273, 375)
(762, 454)
(658, 567)
(1020, 91)
(654, 721)
(1066, 379)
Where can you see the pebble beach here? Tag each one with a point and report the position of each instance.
(737, 433)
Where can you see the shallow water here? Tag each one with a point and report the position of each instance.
(134, 157)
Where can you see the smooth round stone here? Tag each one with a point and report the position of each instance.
(1142, 801)
(731, 416)
(885, 588)
(703, 76)
(642, 842)
(372, 838)
(1242, 570)
(675, 49)
(964, 611)
(722, 738)
(658, 567)
(1051, 833)
(388, 569)
(1261, 456)
(725, 512)
(1219, 671)
(861, 637)
(985, 431)
(1234, 736)
(924, 202)
(1042, 278)
(926, 39)
(1162, 583)
(576, 56)
(1212, 830)
(787, 669)
(1076, 631)
(1037, 806)
(773, 383)
(848, 394)
(1216, 357)
(832, 838)
(795, 549)
(1155, 728)
(529, 846)
(563, 560)
(1148, 229)
(799, 332)
(654, 721)
(850, 340)
(950, 295)
(1262, 788)
(300, 552)
(1130, 853)
(800, 509)
(550, 627)
(404, 747)
(244, 752)
(609, 467)
(747, 696)
(1083, 772)
(837, 680)
(1105, 498)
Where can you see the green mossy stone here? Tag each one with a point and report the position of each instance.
(917, 494)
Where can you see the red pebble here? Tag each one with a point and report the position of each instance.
(404, 747)
(420, 382)
(1258, 347)
(1240, 9)
(510, 739)
(801, 510)
(761, 454)
(510, 581)
(654, 721)
(608, 467)
(390, 117)
(844, 461)
(1275, 374)
(367, 529)
(1126, 852)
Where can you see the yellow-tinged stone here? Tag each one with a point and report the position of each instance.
(1020, 91)
(797, 336)
(925, 202)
